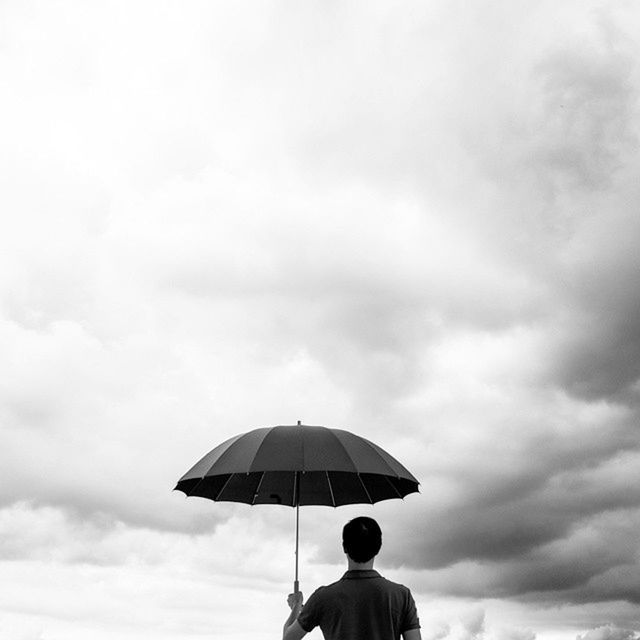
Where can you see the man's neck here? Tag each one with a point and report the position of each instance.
(360, 566)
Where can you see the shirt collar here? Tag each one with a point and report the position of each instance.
(359, 574)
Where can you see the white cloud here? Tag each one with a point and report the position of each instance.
(608, 632)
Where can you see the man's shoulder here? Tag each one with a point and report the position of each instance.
(328, 588)
(394, 583)
(395, 586)
(325, 589)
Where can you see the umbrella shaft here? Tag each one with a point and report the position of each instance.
(296, 584)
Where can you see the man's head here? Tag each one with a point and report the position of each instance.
(361, 539)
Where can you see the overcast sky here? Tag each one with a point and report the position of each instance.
(417, 221)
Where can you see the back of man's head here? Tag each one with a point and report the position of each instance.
(361, 539)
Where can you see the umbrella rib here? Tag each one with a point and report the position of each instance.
(257, 491)
(388, 479)
(195, 486)
(224, 486)
(333, 499)
(365, 489)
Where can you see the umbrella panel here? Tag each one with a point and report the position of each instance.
(303, 449)
(207, 487)
(382, 487)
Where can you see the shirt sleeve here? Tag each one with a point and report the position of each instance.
(309, 617)
(410, 619)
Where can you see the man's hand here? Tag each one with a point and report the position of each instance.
(294, 600)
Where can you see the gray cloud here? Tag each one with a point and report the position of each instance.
(588, 121)
(600, 354)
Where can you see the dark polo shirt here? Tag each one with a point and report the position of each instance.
(362, 605)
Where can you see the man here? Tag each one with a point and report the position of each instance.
(362, 605)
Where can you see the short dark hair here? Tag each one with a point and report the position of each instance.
(361, 539)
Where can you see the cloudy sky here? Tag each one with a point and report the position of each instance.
(418, 221)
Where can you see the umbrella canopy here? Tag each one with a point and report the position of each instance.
(298, 465)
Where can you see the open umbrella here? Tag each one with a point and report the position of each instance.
(298, 465)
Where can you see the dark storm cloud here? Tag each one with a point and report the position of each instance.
(559, 528)
(600, 357)
(587, 156)
(493, 527)
(603, 356)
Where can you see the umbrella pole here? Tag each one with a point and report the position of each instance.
(296, 583)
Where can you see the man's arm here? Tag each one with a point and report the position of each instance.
(411, 634)
(292, 629)
(293, 632)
